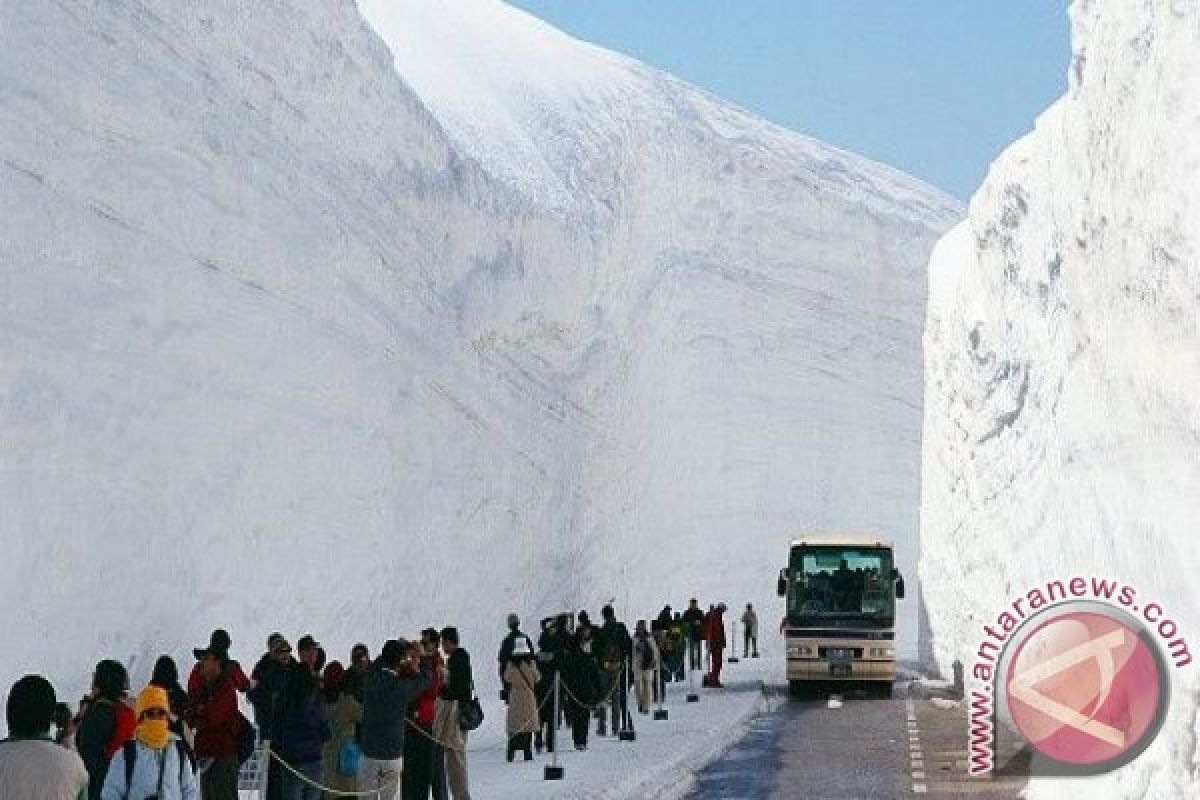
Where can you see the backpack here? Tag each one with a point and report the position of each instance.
(185, 757)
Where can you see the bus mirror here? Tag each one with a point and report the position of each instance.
(781, 586)
(899, 586)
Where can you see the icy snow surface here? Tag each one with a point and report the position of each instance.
(297, 335)
(1062, 416)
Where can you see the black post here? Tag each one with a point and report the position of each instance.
(553, 771)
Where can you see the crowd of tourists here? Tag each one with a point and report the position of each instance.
(395, 725)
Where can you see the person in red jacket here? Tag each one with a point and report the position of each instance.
(212, 692)
(716, 646)
(424, 761)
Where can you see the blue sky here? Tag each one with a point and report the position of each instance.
(936, 88)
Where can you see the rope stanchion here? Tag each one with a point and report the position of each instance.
(553, 771)
(660, 713)
(692, 697)
(627, 733)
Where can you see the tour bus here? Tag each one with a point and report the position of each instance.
(840, 623)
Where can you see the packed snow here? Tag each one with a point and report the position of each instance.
(1062, 416)
(295, 337)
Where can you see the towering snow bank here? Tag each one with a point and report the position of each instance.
(1062, 418)
(749, 340)
(293, 338)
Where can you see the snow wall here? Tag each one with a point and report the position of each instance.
(299, 334)
(1062, 406)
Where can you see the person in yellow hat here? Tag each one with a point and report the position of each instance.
(155, 765)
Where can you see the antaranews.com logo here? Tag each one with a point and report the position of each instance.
(1072, 679)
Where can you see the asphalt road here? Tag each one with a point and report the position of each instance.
(854, 747)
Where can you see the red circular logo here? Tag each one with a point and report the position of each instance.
(1085, 688)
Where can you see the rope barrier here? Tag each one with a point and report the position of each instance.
(603, 701)
(377, 792)
(429, 735)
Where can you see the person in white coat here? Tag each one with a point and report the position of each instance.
(155, 764)
(646, 663)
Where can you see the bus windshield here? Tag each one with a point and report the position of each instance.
(833, 582)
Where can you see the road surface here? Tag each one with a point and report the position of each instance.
(851, 746)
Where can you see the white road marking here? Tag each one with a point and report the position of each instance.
(914, 748)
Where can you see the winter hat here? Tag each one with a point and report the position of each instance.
(514, 621)
(307, 642)
(152, 697)
(218, 645)
(274, 639)
(334, 675)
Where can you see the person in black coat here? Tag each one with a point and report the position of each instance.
(552, 646)
(582, 685)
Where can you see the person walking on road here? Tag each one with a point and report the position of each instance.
(749, 631)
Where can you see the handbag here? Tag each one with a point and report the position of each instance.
(348, 758)
(470, 713)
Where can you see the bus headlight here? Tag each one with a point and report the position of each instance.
(883, 652)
